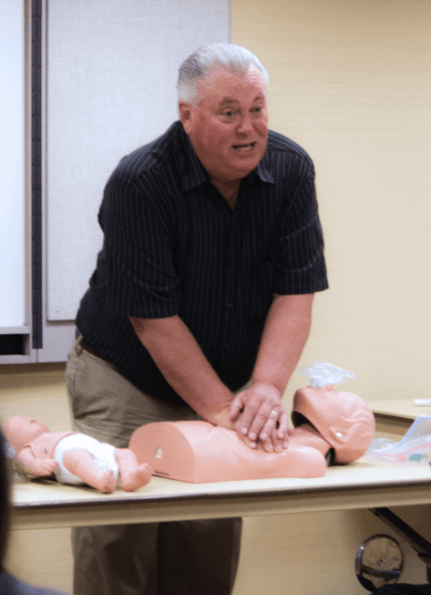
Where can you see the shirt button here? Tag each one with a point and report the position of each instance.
(230, 306)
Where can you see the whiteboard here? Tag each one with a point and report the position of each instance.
(12, 174)
(111, 87)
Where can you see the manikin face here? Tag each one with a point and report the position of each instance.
(19, 431)
(228, 128)
(342, 418)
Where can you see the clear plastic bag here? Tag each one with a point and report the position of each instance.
(413, 449)
(320, 374)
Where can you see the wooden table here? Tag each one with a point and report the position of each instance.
(45, 504)
(39, 504)
(355, 488)
(397, 416)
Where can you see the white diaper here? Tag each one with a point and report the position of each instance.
(103, 454)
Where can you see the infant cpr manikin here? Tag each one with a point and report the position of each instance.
(326, 422)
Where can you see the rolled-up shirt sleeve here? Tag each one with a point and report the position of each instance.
(141, 280)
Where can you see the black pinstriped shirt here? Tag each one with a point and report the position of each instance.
(172, 245)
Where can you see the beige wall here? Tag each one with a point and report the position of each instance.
(350, 81)
(37, 390)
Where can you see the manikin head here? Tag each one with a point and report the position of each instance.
(19, 431)
(222, 104)
(343, 419)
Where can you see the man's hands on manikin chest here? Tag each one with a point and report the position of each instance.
(259, 417)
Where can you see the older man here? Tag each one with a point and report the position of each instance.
(212, 252)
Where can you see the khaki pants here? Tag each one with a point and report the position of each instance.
(178, 558)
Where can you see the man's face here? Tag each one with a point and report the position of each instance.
(228, 128)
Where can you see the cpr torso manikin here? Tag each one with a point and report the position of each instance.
(198, 452)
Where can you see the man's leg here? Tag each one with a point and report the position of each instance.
(117, 560)
(114, 559)
(191, 558)
(197, 557)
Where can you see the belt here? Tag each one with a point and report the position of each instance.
(89, 349)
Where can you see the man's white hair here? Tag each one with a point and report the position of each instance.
(234, 58)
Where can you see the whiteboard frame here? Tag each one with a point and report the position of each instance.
(44, 340)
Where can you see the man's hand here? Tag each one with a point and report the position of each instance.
(257, 413)
(259, 417)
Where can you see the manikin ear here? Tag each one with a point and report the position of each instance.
(185, 111)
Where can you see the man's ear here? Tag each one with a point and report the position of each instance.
(185, 111)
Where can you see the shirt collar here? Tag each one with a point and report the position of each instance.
(263, 171)
(194, 173)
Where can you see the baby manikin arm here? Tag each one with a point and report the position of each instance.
(198, 452)
(34, 466)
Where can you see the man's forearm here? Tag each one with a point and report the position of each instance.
(286, 332)
(182, 362)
